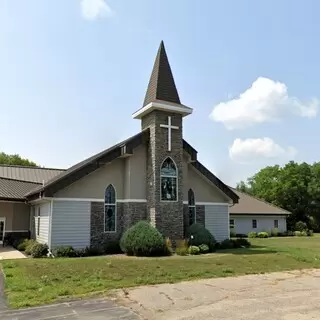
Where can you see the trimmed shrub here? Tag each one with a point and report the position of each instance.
(143, 240)
(227, 244)
(263, 235)
(241, 242)
(197, 234)
(39, 250)
(310, 233)
(80, 253)
(217, 246)
(93, 251)
(23, 244)
(274, 232)
(304, 233)
(297, 234)
(194, 250)
(112, 247)
(289, 233)
(29, 245)
(65, 252)
(204, 248)
(301, 226)
(252, 234)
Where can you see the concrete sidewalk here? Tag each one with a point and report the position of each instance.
(10, 253)
(279, 296)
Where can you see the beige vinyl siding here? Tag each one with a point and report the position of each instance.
(70, 224)
(204, 191)
(94, 184)
(217, 221)
(43, 236)
(16, 214)
(243, 224)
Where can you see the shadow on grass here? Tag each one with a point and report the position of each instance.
(248, 251)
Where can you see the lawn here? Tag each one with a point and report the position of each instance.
(33, 282)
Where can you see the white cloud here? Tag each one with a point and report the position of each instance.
(259, 150)
(266, 100)
(92, 9)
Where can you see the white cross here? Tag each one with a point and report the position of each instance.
(169, 127)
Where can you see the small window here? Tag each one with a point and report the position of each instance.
(110, 213)
(38, 221)
(231, 223)
(276, 223)
(254, 224)
(192, 207)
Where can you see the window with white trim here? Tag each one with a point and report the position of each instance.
(110, 209)
(168, 178)
(191, 207)
(231, 223)
(254, 223)
(276, 223)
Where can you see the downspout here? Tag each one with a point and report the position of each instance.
(50, 254)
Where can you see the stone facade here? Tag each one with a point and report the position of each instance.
(167, 216)
(128, 213)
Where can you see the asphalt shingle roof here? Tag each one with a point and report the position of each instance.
(251, 205)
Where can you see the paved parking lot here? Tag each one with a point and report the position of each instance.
(278, 296)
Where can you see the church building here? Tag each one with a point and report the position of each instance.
(154, 175)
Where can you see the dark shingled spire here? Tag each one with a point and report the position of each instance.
(161, 85)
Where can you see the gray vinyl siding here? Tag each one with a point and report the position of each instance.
(243, 224)
(70, 224)
(217, 221)
(43, 236)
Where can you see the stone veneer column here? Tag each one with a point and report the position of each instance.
(167, 217)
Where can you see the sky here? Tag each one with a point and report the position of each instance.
(73, 72)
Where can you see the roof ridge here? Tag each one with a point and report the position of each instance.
(30, 167)
(259, 199)
(19, 180)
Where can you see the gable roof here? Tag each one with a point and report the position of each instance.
(251, 205)
(121, 149)
(91, 164)
(161, 84)
(14, 190)
(26, 173)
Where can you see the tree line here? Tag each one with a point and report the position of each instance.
(294, 187)
(15, 159)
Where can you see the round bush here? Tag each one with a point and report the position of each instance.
(227, 244)
(197, 235)
(252, 234)
(39, 250)
(301, 226)
(263, 235)
(65, 252)
(143, 240)
(204, 248)
(194, 250)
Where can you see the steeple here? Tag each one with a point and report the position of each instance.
(162, 93)
(161, 84)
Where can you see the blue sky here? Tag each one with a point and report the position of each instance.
(72, 73)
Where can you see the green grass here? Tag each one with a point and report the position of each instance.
(33, 282)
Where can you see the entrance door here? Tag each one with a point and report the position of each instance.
(2, 229)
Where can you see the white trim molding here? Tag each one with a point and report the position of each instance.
(172, 107)
(94, 200)
(209, 203)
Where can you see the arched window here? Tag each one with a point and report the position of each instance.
(110, 212)
(168, 177)
(192, 207)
